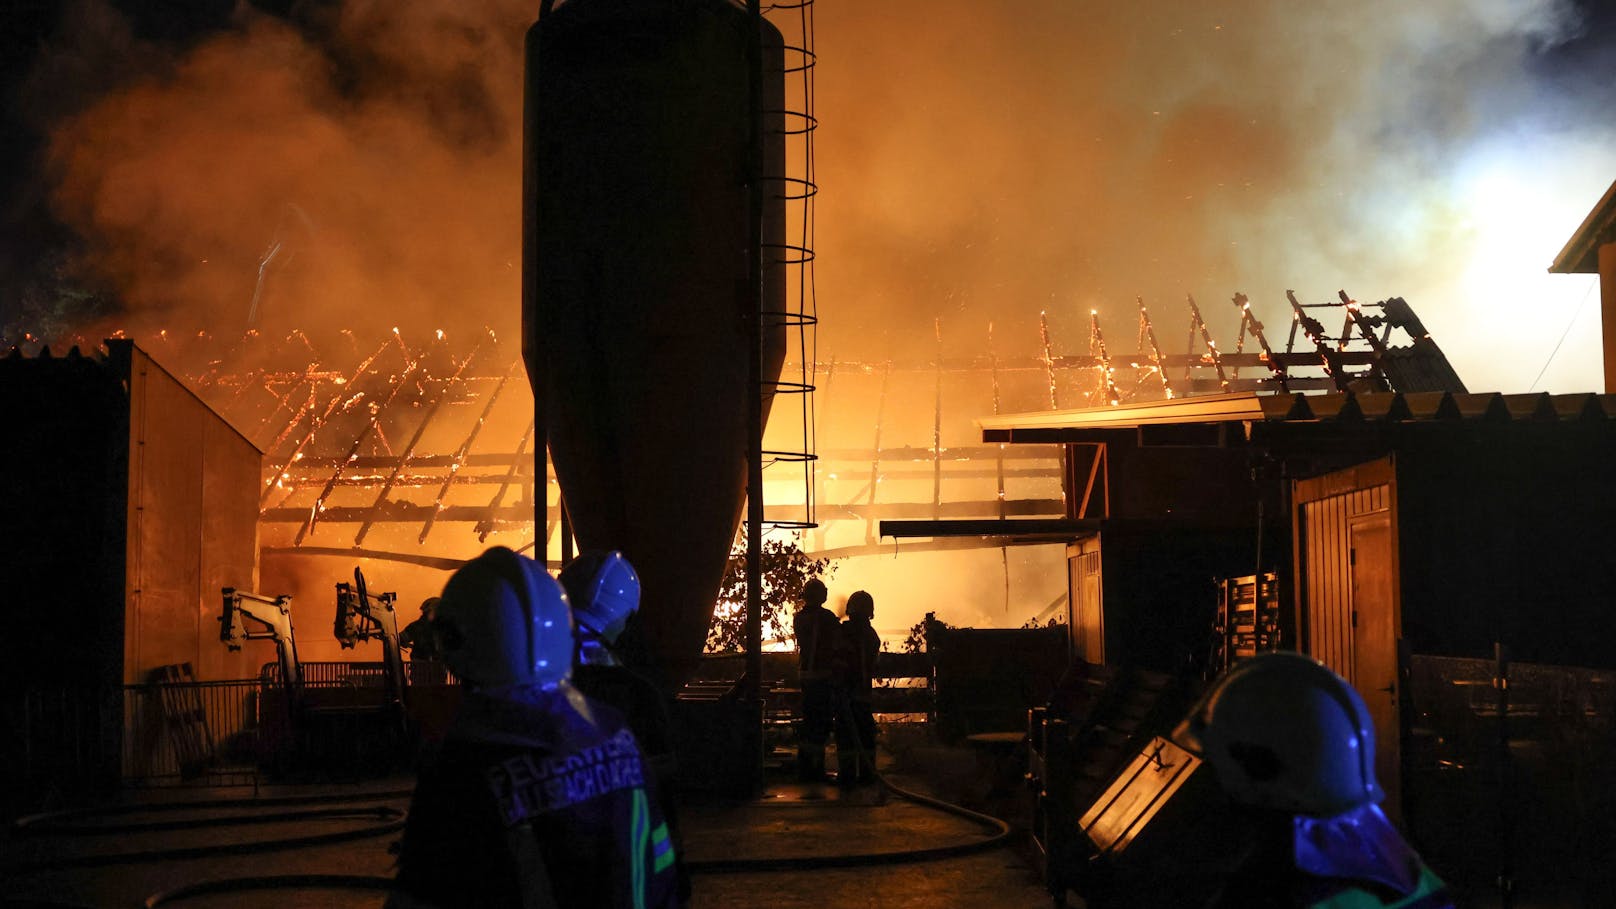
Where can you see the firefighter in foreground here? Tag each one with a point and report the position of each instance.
(1292, 743)
(538, 797)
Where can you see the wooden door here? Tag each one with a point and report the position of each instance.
(1347, 595)
(1084, 597)
(1374, 644)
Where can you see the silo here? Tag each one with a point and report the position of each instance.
(635, 285)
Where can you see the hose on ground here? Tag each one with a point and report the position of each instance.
(1001, 834)
(55, 822)
(387, 821)
(391, 821)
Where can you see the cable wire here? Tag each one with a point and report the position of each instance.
(1563, 335)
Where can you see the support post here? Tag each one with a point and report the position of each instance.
(751, 691)
(533, 339)
(1607, 311)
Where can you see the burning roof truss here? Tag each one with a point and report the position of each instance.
(377, 442)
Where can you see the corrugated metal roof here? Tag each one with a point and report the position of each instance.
(1048, 426)
(15, 363)
(1581, 253)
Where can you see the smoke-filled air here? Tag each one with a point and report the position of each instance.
(357, 166)
(996, 160)
(359, 173)
(977, 162)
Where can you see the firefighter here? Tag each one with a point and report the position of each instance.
(816, 631)
(604, 590)
(417, 636)
(1292, 744)
(858, 647)
(538, 797)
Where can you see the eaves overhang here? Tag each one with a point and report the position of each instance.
(1080, 425)
(1581, 253)
(1021, 529)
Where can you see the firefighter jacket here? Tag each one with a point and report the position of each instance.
(858, 647)
(815, 628)
(538, 799)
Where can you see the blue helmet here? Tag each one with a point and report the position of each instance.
(605, 591)
(503, 620)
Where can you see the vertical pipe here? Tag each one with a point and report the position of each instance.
(1607, 311)
(1506, 832)
(937, 430)
(754, 401)
(998, 469)
(532, 331)
(821, 406)
(566, 535)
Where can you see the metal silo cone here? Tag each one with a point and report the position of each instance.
(635, 302)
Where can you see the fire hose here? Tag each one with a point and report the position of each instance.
(390, 821)
(1001, 834)
(70, 823)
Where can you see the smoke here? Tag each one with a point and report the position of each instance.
(978, 161)
(356, 171)
(990, 162)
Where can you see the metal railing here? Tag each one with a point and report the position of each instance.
(65, 740)
(350, 674)
(220, 732)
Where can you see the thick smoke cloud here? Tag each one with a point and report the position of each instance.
(359, 168)
(358, 172)
(986, 161)
(978, 161)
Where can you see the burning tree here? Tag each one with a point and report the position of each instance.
(786, 568)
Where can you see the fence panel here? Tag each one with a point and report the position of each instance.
(1514, 778)
(219, 731)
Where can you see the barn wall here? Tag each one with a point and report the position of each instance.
(193, 527)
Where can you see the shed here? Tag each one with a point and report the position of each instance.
(129, 504)
(1431, 524)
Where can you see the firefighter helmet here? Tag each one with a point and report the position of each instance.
(861, 606)
(604, 590)
(503, 620)
(814, 592)
(1282, 731)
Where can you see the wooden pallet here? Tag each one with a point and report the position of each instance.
(185, 718)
